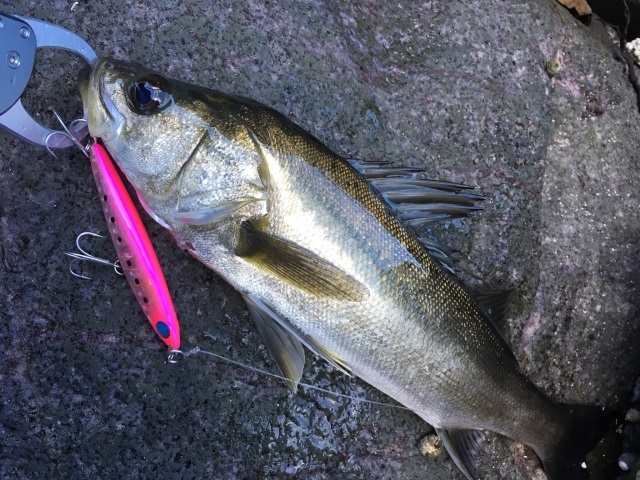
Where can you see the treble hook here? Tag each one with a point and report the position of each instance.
(83, 255)
(76, 129)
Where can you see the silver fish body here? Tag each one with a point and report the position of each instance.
(324, 260)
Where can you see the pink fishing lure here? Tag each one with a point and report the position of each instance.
(134, 249)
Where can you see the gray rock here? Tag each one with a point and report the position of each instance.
(460, 89)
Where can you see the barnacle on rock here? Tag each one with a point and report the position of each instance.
(553, 66)
(430, 446)
(633, 48)
(632, 416)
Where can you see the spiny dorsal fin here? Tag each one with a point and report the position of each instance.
(296, 265)
(418, 201)
(283, 342)
(462, 446)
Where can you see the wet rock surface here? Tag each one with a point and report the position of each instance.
(459, 89)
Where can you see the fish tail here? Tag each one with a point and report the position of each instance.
(587, 426)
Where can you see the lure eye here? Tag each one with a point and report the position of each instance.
(148, 95)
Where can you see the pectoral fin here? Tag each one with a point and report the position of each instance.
(462, 445)
(284, 342)
(297, 265)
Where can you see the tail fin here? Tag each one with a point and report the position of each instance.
(587, 426)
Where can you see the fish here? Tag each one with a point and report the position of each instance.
(327, 253)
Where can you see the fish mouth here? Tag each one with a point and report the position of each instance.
(96, 88)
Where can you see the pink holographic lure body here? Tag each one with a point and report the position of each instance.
(134, 249)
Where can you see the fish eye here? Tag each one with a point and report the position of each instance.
(148, 95)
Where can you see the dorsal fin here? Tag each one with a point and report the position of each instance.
(439, 252)
(494, 304)
(417, 200)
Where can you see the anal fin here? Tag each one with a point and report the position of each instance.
(462, 445)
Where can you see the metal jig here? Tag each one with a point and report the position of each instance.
(84, 255)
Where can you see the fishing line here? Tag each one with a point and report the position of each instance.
(173, 356)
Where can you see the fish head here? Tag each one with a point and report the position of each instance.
(178, 144)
